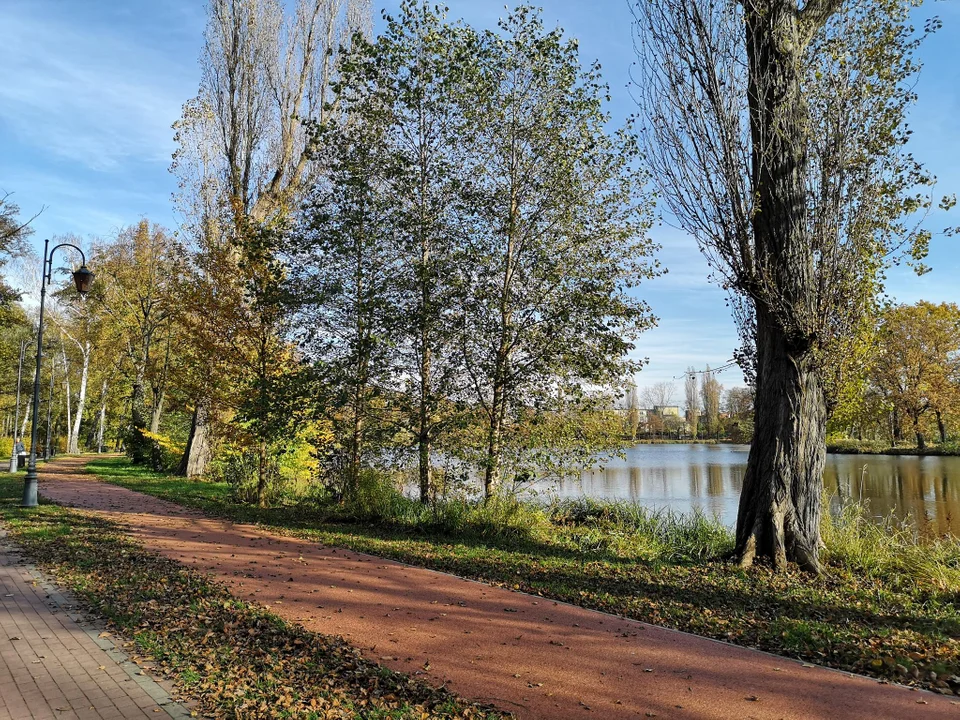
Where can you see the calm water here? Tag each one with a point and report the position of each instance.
(709, 477)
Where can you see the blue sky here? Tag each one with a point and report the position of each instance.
(91, 89)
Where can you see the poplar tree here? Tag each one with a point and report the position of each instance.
(775, 131)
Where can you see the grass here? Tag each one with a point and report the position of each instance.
(846, 446)
(234, 658)
(886, 604)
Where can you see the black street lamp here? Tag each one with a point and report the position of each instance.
(84, 280)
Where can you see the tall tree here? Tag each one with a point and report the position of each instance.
(775, 131)
(691, 390)
(556, 231)
(345, 276)
(710, 392)
(423, 66)
(138, 274)
(244, 155)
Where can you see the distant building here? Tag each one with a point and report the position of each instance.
(666, 411)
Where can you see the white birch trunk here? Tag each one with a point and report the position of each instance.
(73, 445)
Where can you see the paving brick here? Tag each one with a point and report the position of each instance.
(50, 666)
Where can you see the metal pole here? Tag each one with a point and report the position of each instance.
(47, 454)
(30, 482)
(16, 423)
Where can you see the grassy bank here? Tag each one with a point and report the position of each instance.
(886, 605)
(235, 659)
(876, 447)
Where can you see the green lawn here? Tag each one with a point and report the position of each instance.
(235, 659)
(883, 606)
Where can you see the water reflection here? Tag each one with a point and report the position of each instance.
(710, 478)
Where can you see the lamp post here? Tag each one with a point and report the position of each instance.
(83, 279)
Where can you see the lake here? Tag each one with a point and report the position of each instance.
(709, 478)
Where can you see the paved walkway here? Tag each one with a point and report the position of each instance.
(536, 657)
(54, 664)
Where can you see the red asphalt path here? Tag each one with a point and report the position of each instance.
(532, 656)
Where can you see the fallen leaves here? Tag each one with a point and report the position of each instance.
(233, 658)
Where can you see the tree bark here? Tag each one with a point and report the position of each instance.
(74, 440)
(941, 427)
(198, 451)
(921, 442)
(103, 417)
(779, 515)
(156, 412)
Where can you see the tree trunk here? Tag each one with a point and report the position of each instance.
(491, 476)
(103, 417)
(66, 382)
(423, 439)
(138, 445)
(156, 413)
(921, 443)
(779, 515)
(941, 426)
(81, 401)
(262, 458)
(198, 451)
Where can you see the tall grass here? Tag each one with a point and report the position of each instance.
(890, 549)
(617, 529)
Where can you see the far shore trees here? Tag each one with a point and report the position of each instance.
(776, 133)
(917, 368)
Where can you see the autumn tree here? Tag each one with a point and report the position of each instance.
(14, 231)
(710, 394)
(918, 362)
(775, 132)
(244, 157)
(137, 292)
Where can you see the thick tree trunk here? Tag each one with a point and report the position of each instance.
(491, 475)
(941, 427)
(198, 450)
(921, 442)
(779, 514)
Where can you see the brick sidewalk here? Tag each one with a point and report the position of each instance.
(54, 664)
